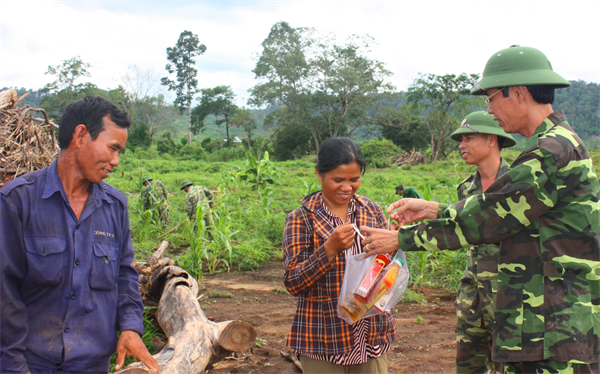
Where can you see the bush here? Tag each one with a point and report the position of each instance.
(379, 153)
(190, 152)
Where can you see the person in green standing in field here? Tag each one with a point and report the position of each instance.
(155, 195)
(195, 196)
(480, 141)
(544, 211)
(409, 192)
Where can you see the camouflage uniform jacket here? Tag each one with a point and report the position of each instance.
(411, 192)
(150, 197)
(546, 212)
(477, 292)
(197, 195)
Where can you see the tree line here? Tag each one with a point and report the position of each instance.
(311, 86)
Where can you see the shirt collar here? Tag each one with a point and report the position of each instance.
(552, 120)
(54, 184)
(476, 182)
(314, 202)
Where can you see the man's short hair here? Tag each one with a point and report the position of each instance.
(539, 94)
(89, 111)
(542, 94)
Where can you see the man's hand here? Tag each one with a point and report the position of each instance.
(413, 210)
(379, 240)
(130, 344)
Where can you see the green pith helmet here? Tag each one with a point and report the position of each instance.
(518, 66)
(482, 123)
(185, 184)
(146, 179)
(399, 187)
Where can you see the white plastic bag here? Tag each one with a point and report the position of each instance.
(356, 269)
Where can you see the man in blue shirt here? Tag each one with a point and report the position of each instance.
(66, 283)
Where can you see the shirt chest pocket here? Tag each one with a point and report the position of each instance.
(104, 268)
(45, 260)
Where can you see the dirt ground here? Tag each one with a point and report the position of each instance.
(425, 341)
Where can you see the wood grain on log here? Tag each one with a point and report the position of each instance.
(7, 97)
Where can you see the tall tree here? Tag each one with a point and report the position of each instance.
(329, 88)
(244, 119)
(350, 83)
(145, 102)
(284, 71)
(442, 100)
(65, 88)
(182, 63)
(217, 101)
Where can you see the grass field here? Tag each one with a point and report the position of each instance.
(250, 210)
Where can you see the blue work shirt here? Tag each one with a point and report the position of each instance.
(66, 285)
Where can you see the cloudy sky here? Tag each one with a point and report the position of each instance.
(413, 36)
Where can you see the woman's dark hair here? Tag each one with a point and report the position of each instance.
(339, 151)
(89, 111)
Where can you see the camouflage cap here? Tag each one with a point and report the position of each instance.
(399, 187)
(518, 66)
(146, 178)
(185, 183)
(482, 123)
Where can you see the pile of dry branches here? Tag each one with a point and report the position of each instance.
(413, 158)
(26, 143)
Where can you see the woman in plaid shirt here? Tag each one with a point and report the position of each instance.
(317, 238)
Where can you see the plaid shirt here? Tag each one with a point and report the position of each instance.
(316, 329)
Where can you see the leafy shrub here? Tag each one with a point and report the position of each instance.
(188, 152)
(379, 153)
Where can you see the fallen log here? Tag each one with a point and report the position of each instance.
(194, 340)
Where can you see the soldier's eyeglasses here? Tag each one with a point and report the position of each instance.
(488, 99)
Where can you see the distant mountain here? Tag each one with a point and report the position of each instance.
(581, 103)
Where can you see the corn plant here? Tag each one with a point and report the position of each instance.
(257, 174)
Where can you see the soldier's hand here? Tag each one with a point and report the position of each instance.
(340, 239)
(413, 210)
(379, 240)
(130, 343)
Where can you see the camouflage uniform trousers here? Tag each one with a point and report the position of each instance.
(548, 367)
(473, 348)
(474, 340)
(151, 200)
(199, 196)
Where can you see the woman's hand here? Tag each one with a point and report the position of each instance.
(340, 239)
(413, 210)
(379, 240)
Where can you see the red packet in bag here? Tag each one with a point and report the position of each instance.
(381, 261)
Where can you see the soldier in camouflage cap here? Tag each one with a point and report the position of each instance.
(155, 195)
(545, 211)
(197, 195)
(481, 139)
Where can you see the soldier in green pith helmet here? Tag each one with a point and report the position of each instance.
(197, 195)
(154, 194)
(545, 211)
(480, 141)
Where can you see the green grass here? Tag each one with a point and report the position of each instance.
(249, 218)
